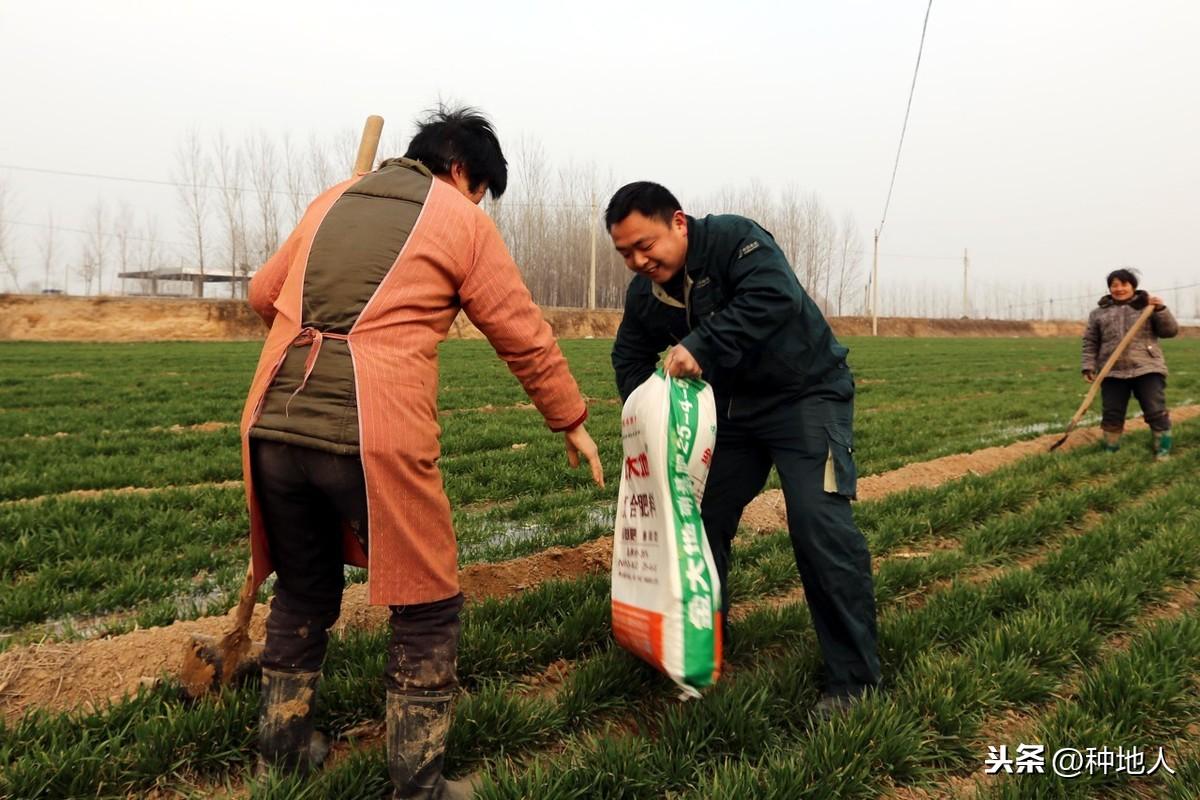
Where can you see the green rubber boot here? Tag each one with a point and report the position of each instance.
(1111, 442)
(1162, 445)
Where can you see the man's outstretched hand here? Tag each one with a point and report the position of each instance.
(579, 441)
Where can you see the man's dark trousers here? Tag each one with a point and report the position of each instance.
(799, 437)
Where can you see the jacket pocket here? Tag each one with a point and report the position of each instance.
(706, 299)
(841, 474)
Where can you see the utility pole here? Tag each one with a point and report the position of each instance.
(966, 269)
(875, 288)
(592, 270)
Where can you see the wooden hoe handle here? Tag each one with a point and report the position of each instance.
(368, 145)
(1122, 346)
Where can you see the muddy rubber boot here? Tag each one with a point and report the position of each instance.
(286, 738)
(1111, 442)
(1162, 445)
(417, 725)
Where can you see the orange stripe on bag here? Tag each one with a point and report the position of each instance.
(639, 631)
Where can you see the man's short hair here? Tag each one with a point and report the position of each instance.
(463, 135)
(645, 197)
(1122, 274)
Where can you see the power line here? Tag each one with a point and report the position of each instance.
(1011, 306)
(178, 185)
(86, 232)
(911, 91)
(151, 181)
(927, 258)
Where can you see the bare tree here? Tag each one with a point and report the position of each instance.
(757, 203)
(47, 249)
(87, 267)
(230, 177)
(816, 246)
(849, 255)
(295, 182)
(528, 236)
(264, 170)
(321, 172)
(123, 237)
(193, 172)
(96, 246)
(790, 225)
(345, 151)
(149, 252)
(149, 249)
(8, 256)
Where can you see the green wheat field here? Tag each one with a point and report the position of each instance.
(1050, 602)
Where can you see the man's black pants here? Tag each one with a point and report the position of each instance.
(809, 442)
(306, 495)
(1151, 393)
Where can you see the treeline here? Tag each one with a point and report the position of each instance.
(234, 202)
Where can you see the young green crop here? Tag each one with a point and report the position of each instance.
(1029, 509)
(610, 682)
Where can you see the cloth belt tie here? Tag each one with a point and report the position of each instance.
(310, 336)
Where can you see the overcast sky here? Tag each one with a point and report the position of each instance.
(1054, 139)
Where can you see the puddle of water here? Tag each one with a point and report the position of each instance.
(201, 602)
(501, 534)
(1057, 427)
(1038, 428)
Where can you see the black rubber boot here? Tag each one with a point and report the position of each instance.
(286, 738)
(835, 704)
(417, 725)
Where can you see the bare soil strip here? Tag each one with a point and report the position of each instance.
(521, 406)
(767, 512)
(200, 427)
(85, 494)
(87, 675)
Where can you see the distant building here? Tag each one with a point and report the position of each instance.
(167, 282)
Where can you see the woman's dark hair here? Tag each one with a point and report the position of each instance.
(463, 135)
(645, 197)
(1124, 275)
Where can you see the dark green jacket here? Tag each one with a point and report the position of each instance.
(756, 333)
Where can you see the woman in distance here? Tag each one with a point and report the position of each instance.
(1141, 370)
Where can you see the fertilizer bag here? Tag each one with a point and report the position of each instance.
(666, 597)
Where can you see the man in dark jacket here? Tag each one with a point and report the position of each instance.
(720, 294)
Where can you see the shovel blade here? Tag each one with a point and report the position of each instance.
(207, 665)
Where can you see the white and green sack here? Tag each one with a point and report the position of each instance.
(666, 597)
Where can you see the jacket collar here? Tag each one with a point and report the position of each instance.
(695, 263)
(409, 163)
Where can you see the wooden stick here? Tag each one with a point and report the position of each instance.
(1122, 346)
(368, 145)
